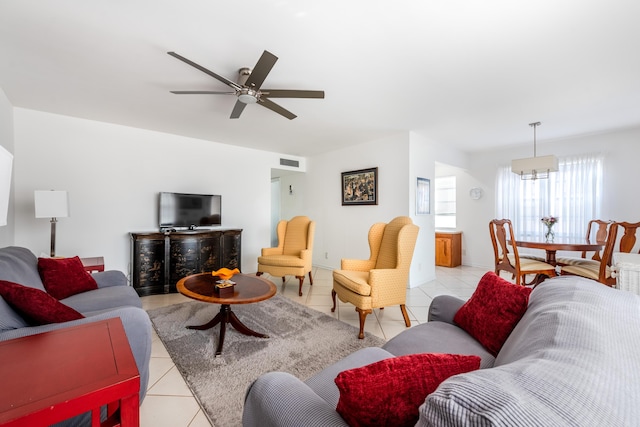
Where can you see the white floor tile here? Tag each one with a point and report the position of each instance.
(158, 368)
(168, 411)
(200, 420)
(171, 384)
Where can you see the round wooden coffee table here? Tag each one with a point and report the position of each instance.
(248, 289)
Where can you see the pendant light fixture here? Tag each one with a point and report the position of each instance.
(535, 167)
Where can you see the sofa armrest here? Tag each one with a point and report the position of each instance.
(280, 399)
(443, 308)
(108, 278)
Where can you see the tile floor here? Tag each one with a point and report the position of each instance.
(169, 402)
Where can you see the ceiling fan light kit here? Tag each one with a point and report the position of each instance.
(247, 88)
(536, 167)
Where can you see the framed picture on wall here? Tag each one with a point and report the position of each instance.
(423, 201)
(360, 187)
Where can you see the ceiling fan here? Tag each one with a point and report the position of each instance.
(248, 87)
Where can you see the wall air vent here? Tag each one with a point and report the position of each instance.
(289, 162)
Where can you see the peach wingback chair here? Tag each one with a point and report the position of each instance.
(381, 280)
(294, 252)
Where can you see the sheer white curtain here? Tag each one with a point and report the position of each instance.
(573, 195)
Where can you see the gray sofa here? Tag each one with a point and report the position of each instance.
(573, 359)
(113, 298)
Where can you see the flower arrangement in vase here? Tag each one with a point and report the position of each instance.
(549, 221)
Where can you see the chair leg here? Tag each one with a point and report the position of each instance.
(310, 279)
(363, 316)
(259, 273)
(333, 297)
(407, 322)
(283, 279)
(301, 279)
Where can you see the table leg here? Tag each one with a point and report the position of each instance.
(551, 257)
(242, 328)
(224, 316)
(213, 322)
(130, 411)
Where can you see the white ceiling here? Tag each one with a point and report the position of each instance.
(468, 73)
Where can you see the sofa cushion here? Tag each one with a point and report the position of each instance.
(9, 319)
(63, 277)
(389, 392)
(35, 306)
(493, 311)
(573, 359)
(104, 298)
(438, 337)
(323, 383)
(20, 265)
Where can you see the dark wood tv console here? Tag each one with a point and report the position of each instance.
(160, 259)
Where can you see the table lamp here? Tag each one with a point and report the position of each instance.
(52, 204)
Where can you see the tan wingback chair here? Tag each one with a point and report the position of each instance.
(381, 280)
(294, 253)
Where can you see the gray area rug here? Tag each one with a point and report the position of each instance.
(302, 341)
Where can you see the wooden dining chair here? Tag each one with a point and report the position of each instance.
(501, 231)
(600, 269)
(628, 239)
(597, 232)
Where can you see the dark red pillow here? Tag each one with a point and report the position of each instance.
(494, 309)
(35, 306)
(389, 392)
(63, 277)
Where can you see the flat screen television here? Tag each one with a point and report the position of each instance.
(189, 210)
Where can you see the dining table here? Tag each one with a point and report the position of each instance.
(558, 244)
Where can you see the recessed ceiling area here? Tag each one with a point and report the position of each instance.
(465, 73)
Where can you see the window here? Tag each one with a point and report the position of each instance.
(573, 195)
(445, 202)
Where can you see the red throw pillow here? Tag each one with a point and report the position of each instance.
(389, 392)
(63, 277)
(35, 306)
(494, 309)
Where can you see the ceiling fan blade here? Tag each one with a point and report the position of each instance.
(237, 109)
(285, 93)
(262, 68)
(200, 92)
(275, 107)
(204, 70)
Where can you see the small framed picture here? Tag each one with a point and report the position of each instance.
(423, 200)
(360, 187)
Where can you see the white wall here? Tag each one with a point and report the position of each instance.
(6, 140)
(341, 231)
(421, 164)
(113, 175)
(293, 203)
(620, 197)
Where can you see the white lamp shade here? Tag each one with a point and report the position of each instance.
(51, 204)
(6, 161)
(535, 165)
